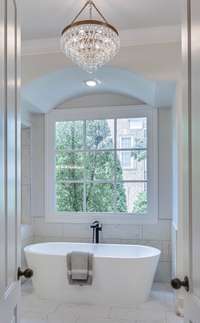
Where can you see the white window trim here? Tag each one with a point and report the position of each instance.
(101, 113)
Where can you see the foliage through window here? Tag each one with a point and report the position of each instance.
(101, 165)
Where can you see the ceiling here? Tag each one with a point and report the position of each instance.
(47, 18)
(51, 90)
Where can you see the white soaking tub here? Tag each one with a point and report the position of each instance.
(122, 274)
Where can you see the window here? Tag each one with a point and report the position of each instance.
(126, 142)
(137, 123)
(126, 159)
(126, 155)
(96, 164)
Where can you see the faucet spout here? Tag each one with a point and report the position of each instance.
(96, 228)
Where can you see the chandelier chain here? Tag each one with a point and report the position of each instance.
(99, 12)
(80, 12)
(90, 9)
(91, 4)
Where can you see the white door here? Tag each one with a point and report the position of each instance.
(9, 162)
(189, 156)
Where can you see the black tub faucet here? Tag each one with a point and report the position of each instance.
(96, 228)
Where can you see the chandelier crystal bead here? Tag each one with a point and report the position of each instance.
(90, 43)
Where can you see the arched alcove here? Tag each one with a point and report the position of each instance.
(51, 90)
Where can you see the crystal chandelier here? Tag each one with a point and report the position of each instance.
(90, 43)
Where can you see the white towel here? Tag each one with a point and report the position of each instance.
(79, 268)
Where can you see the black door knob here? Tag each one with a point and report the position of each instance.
(27, 273)
(176, 283)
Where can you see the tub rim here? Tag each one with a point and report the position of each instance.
(155, 252)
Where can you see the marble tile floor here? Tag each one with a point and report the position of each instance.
(159, 309)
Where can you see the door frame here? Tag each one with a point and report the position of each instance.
(10, 296)
(185, 214)
(182, 216)
(185, 146)
(192, 302)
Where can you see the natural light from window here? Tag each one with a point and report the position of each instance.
(101, 165)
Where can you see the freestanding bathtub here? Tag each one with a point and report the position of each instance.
(122, 274)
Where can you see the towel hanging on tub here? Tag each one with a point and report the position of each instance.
(80, 268)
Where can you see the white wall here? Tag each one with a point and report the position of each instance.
(25, 174)
(26, 220)
(154, 61)
(158, 235)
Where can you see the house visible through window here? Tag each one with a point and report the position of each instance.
(136, 123)
(126, 155)
(100, 165)
(126, 142)
(126, 159)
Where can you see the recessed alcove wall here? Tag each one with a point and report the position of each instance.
(158, 235)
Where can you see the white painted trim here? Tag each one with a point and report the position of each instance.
(129, 37)
(183, 157)
(105, 112)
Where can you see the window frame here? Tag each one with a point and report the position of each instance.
(71, 114)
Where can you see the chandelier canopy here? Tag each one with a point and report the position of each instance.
(90, 43)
